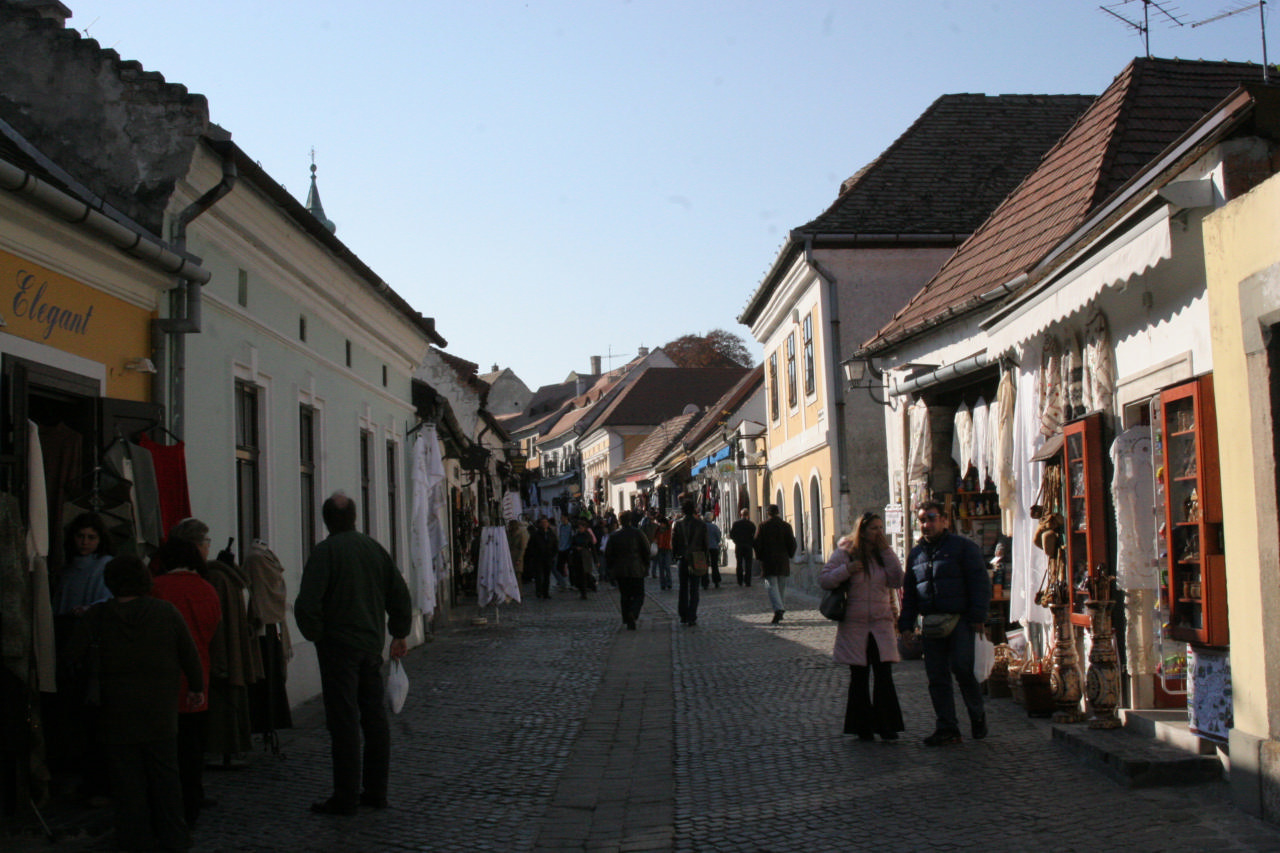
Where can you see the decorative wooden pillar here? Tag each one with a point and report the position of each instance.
(1065, 679)
(1103, 680)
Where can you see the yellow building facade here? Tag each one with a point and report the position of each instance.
(1242, 258)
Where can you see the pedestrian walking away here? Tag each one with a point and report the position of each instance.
(540, 556)
(628, 557)
(776, 545)
(866, 639)
(348, 584)
(689, 544)
(714, 538)
(663, 539)
(947, 579)
(743, 534)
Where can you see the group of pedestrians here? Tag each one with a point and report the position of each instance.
(946, 582)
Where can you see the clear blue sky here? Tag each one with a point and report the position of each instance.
(552, 180)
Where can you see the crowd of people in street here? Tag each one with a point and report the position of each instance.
(147, 646)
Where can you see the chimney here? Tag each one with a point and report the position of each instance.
(642, 352)
(595, 365)
(495, 369)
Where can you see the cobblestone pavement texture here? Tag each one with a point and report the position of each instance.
(552, 729)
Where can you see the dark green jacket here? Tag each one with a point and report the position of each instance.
(350, 590)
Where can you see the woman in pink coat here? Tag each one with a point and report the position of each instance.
(865, 639)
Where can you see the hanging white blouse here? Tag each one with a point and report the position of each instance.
(1050, 392)
(1029, 562)
(962, 439)
(1133, 494)
(1004, 478)
(428, 474)
(919, 459)
(981, 442)
(1099, 365)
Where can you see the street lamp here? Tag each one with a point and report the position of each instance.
(863, 373)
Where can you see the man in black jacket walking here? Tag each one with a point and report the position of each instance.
(946, 576)
(776, 545)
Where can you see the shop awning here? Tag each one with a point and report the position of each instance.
(722, 453)
(1132, 253)
(556, 480)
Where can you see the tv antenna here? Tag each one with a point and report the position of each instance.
(1144, 27)
(1261, 6)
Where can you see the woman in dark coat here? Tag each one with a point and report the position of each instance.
(138, 648)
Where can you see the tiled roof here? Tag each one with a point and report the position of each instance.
(1150, 104)
(941, 177)
(663, 392)
(951, 168)
(655, 445)
(728, 402)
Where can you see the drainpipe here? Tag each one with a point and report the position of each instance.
(185, 304)
(837, 386)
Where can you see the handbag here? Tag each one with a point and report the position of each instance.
(698, 563)
(835, 602)
(936, 626)
(653, 549)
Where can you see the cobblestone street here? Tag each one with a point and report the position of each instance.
(554, 730)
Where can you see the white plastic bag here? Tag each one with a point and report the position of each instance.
(984, 657)
(397, 686)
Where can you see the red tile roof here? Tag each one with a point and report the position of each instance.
(940, 178)
(1149, 105)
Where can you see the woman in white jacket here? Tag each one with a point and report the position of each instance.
(866, 640)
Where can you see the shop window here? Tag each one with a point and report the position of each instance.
(307, 482)
(773, 386)
(249, 463)
(797, 514)
(809, 381)
(815, 507)
(791, 370)
(366, 481)
(393, 498)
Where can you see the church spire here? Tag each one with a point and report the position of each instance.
(314, 207)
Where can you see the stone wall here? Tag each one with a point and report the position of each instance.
(120, 130)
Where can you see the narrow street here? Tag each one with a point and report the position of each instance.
(552, 729)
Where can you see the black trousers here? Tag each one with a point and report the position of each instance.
(147, 796)
(742, 557)
(542, 576)
(354, 705)
(191, 763)
(687, 602)
(868, 713)
(631, 592)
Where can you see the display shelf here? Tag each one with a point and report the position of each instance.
(1085, 509)
(1194, 577)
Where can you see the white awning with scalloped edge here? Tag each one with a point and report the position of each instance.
(1146, 244)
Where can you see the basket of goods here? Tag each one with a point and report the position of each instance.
(1037, 690)
(998, 681)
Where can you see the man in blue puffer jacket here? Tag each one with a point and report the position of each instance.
(947, 575)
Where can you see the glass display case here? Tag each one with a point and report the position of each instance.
(1084, 514)
(1195, 578)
